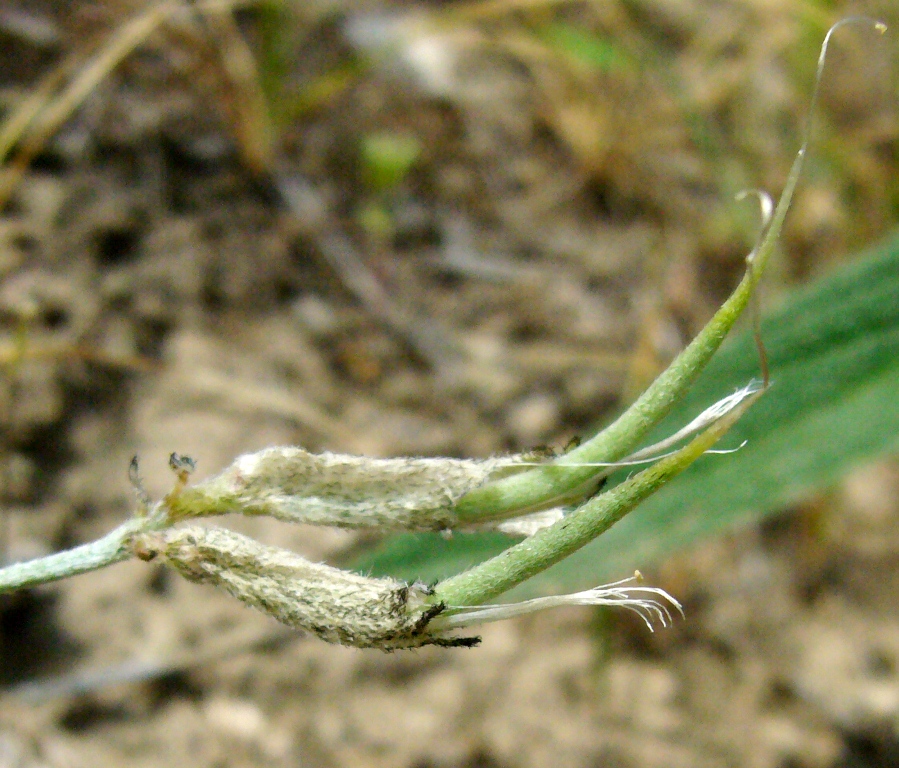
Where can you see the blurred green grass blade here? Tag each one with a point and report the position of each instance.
(834, 402)
(588, 49)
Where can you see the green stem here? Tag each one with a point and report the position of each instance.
(114, 547)
(546, 486)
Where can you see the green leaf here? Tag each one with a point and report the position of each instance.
(833, 404)
(430, 557)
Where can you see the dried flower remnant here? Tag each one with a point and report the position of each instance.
(649, 603)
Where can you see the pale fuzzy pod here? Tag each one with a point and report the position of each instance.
(297, 486)
(337, 606)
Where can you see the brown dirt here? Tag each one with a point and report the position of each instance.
(564, 230)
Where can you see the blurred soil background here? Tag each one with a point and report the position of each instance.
(447, 228)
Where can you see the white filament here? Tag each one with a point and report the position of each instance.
(656, 451)
(651, 604)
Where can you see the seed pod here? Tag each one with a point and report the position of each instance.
(297, 486)
(337, 606)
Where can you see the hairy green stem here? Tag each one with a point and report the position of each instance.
(114, 547)
(548, 485)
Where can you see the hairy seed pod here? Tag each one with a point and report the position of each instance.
(337, 606)
(297, 486)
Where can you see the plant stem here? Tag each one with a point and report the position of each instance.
(112, 548)
(549, 485)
